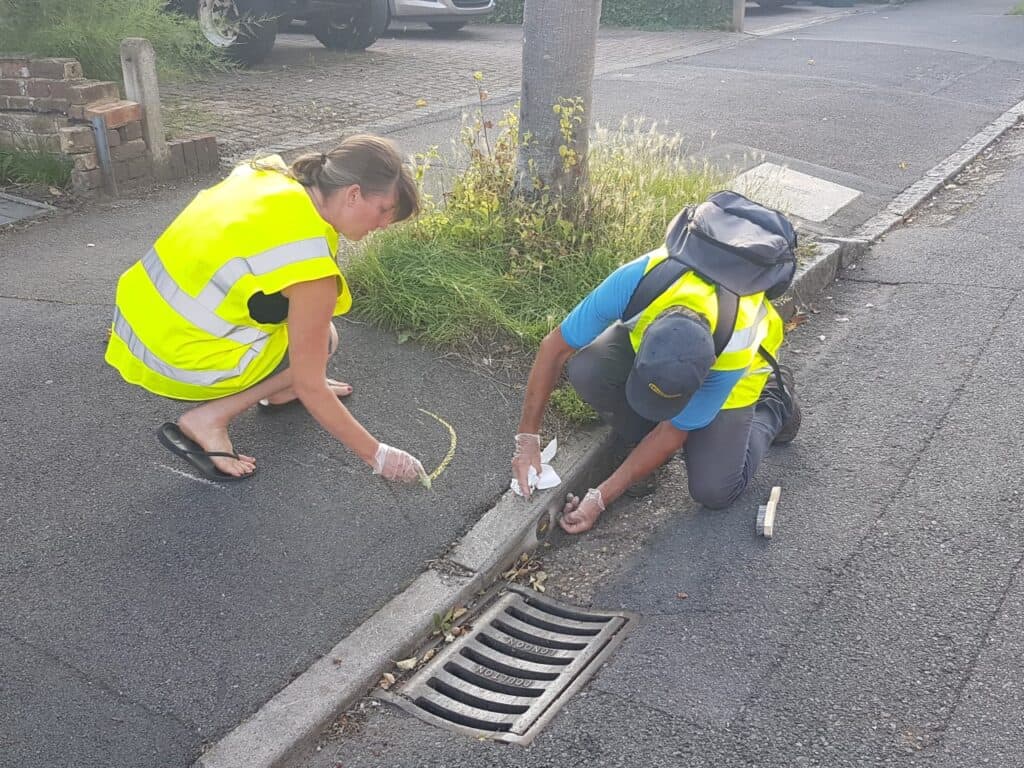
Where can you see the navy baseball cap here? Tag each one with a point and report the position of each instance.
(674, 358)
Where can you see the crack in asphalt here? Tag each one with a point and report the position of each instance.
(97, 682)
(1014, 289)
(44, 300)
(773, 667)
(973, 662)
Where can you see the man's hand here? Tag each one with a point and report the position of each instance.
(394, 464)
(579, 515)
(527, 455)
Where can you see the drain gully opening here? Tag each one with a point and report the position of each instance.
(513, 671)
(492, 685)
(460, 718)
(528, 637)
(561, 629)
(473, 701)
(486, 661)
(495, 644)
(565, 613)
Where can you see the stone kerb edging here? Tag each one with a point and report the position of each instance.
(47, 105)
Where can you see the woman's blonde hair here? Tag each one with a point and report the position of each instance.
(371, 162)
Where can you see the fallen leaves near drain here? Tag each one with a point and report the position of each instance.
(525, 570)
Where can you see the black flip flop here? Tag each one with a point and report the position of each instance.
(174, 440)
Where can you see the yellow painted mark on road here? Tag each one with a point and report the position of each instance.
(451, 450)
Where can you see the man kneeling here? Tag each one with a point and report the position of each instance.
(656, 379)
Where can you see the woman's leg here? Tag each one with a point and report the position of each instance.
(340, 388)
(208, 423)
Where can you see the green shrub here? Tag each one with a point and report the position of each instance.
(17, 167)
(643, 14)
(91, 31)
(1018, 9)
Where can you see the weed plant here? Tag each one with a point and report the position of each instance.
(485, 263)
(91, 31)
(22, 167)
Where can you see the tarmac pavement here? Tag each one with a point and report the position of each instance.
(882, 623)
(145, 613)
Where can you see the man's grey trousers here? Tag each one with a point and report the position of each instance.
(720, 459)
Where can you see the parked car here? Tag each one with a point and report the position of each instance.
(442, 15)
(245, 29)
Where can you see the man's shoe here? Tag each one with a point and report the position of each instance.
(791, 424)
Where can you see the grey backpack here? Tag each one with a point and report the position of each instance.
(739, 246)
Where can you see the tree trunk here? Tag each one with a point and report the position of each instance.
(559, 42)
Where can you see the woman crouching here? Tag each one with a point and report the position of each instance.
(233, 304)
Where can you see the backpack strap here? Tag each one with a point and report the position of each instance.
(728, 309)
(662, 277)
(652, 285)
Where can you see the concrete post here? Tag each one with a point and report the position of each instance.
(138, 64)
(739, 9)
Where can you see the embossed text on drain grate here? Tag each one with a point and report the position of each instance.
(507, 677)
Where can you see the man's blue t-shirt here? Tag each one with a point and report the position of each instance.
(606, 304)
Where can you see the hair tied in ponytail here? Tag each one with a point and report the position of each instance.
(323, 158)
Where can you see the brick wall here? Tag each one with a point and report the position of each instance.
(47, 105)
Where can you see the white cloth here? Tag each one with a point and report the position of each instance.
(547, 478)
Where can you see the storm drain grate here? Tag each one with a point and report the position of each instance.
(523, 658)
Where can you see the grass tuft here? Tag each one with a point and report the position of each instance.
(91, 31)
(22, 167)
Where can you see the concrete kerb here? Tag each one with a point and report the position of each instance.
(293, 719)
(285, 727)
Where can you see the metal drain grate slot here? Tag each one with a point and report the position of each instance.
(502, 643)
(526, 633)
(524, 657)
(540, 673)
(563, 627)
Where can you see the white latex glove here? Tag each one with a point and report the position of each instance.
(527, 456)
(579, 515)
(539, 474)
(394, 464)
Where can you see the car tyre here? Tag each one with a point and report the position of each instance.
(446, 27)
(243, 29)
(346, 31)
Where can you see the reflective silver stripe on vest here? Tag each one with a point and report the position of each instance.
(744, 338)
(192, 310)
(202, 378)
(200, 312)
(262, 263)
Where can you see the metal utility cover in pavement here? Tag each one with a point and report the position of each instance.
(17, 208)
(797, 193)
(523, 658)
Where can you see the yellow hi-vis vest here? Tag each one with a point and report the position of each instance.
(182, 327)
(757, 324)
